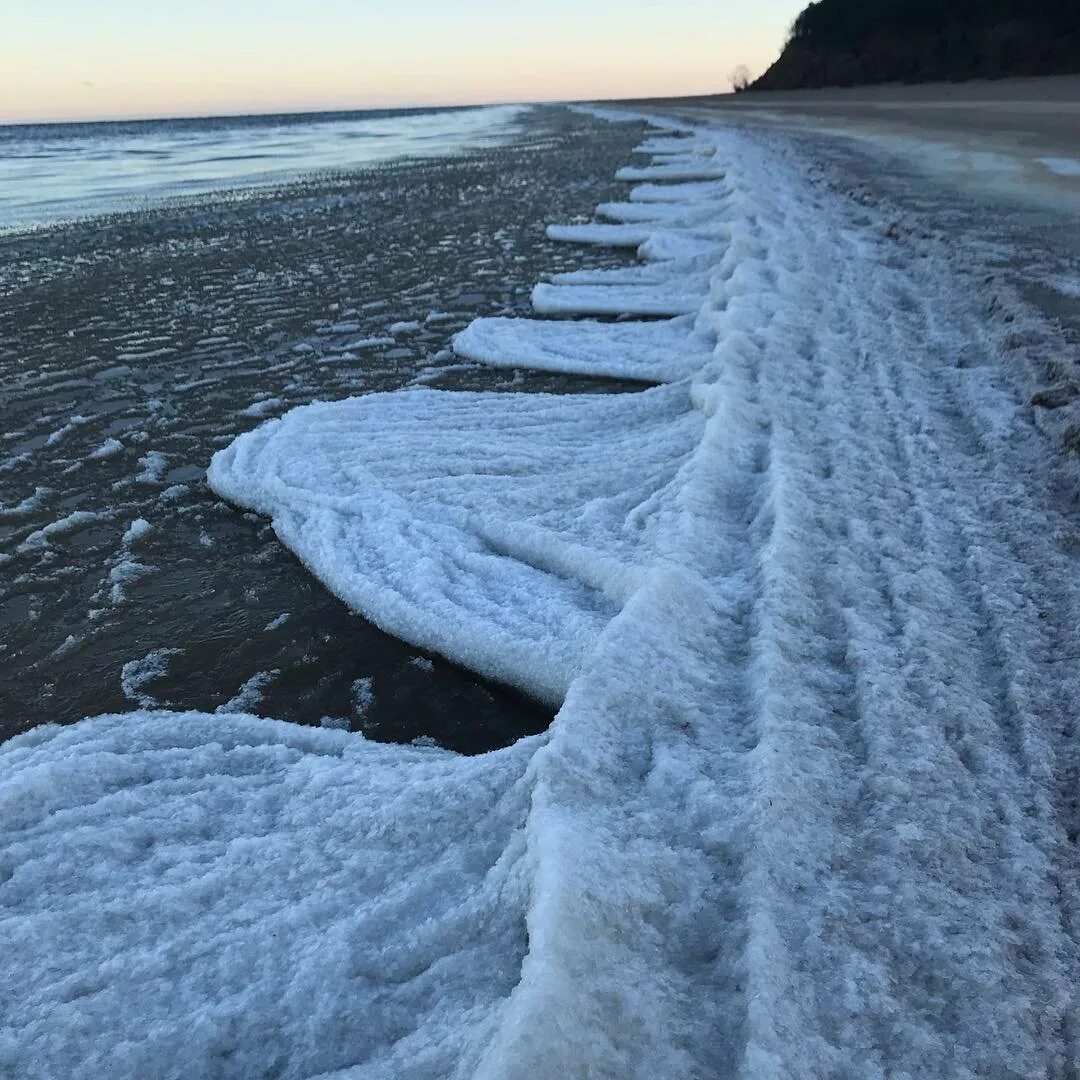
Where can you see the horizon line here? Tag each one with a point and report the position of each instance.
(334, 111)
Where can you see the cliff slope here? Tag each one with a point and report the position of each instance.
(847, 42)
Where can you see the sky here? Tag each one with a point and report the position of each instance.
(111, 59)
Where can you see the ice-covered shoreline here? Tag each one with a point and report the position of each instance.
(805, 808)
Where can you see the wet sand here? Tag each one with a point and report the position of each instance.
(134, 347)
(1034, 110)
(1016, 137)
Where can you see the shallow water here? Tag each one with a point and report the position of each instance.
(61, 172)
(133, 347)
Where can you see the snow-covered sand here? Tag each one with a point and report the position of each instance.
(808, 807)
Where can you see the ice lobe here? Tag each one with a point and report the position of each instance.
(472, 524)
(673, 170)
(659, 299)
(653, 351)
(226, 896)
(630, 236)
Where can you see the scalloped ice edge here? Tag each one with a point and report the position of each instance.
(685, 875)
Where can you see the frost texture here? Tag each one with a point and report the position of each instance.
(806, 807)
(472, 524)
(651, 351)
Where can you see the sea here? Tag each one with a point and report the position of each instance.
(62, 172)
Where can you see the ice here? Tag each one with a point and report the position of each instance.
(24, 507)
(153, 467)
(678, 193)
(136, 531)
(1062, 166)
(638, 274)
(807, 808)
(370, 342)
(249, 697)
(262, 408)
(631, 236)
(109, 448)
(675, 298)
(136, 674)
(73, 522)
(654, 351)
(490, 494)
(241, 897)
(673, 170)
(62, 433)
(125, 572)
(653, 213)
(363, 696)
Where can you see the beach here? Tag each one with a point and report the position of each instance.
(780, 535)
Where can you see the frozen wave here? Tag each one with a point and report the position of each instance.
(807, 808)
(654, 351)
(603, 235)
(471, 524)
(228, 896)
(687, 169)
(678, 297)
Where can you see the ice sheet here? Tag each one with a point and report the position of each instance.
(673, 170)
(663, 298)
(655, 351)
(486, 540)
(602, 235)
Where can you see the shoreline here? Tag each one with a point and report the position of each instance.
(808, 804)
(959, 128)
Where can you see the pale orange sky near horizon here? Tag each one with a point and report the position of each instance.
(120, 59)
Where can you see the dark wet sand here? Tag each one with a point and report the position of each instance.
(157, 331)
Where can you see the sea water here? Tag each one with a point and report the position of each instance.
(57, 172)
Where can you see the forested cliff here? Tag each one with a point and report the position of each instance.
(848, 42)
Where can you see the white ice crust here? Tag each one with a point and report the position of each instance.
(799, 814)
(661, 351)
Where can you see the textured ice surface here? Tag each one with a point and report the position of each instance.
(655, 351)
(678, 297)
(679, 193)
(241, 897)
(687, 169)
(1062, 166)
(471, 524)
(808, 808)
(603, 235)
